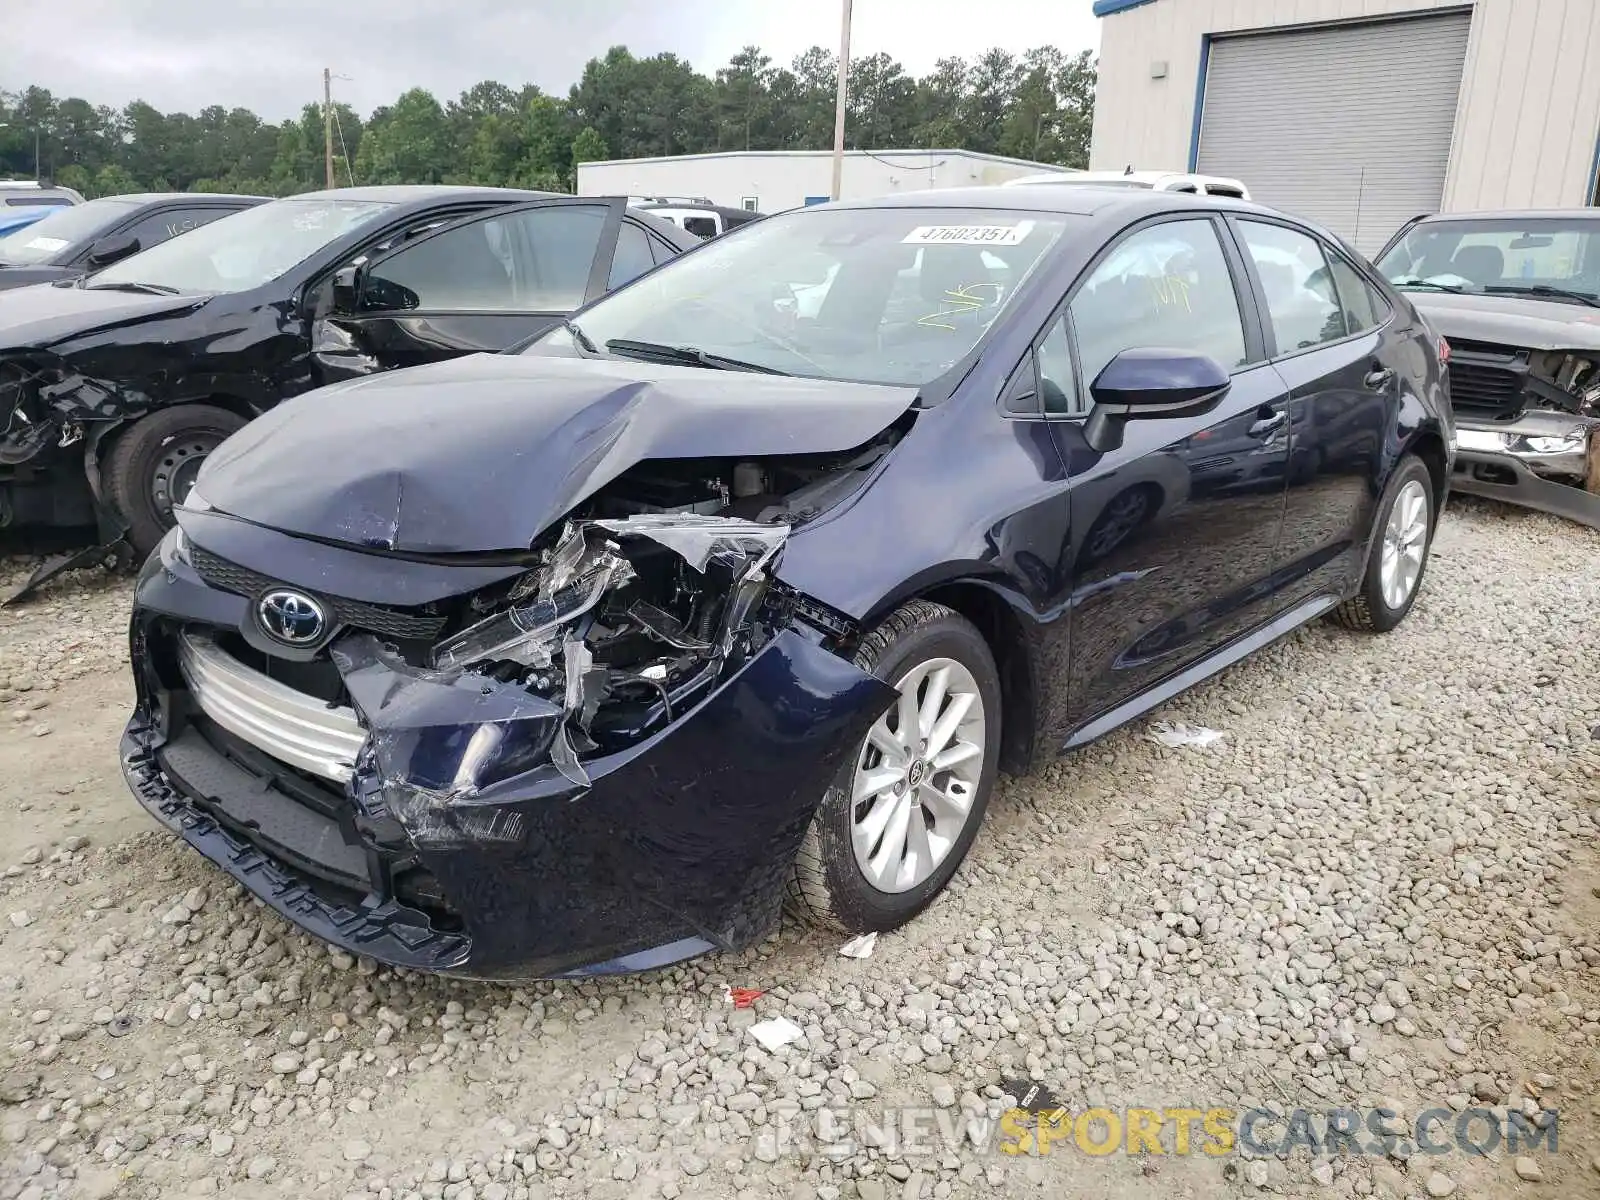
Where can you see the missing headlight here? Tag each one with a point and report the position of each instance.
(624, 623)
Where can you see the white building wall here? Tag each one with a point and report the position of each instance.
(1527, 121)
(784, 179)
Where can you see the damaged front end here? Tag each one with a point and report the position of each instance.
(605, 761)
(1528, 426)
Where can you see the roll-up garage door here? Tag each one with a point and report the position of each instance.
(1348, 125)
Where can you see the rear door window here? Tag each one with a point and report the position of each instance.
(1296, 284)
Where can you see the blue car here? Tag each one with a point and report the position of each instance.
(13, 219)
(591, 656)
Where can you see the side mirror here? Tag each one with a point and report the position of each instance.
(346, 289)
(1148, 384)
(112, 249)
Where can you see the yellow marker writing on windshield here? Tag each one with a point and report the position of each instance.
(958, 301)
(1172, 290)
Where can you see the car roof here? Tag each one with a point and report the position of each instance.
(1087, 199)
(417, 193)
(159, 197)
(739, 214)
(1519, 214)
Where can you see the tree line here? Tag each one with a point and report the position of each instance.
(1038, 106)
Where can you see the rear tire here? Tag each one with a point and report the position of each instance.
(1385, 597)
(944, 787)
(153, 463)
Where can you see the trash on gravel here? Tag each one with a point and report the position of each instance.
(1176, 734)
(776, 1033)
(742, 997)
(860, 947)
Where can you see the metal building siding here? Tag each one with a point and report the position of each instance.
(1149, 122)
(1530, 106)
(1349, 124)
(1525, 127)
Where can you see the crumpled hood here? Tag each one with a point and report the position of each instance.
(483, 453)
(1511, 320)
(36, 318)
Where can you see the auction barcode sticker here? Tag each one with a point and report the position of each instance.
(969, 235)
(46, 243)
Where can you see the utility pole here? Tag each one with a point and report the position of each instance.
(839, 104)
(36, 174)
(327, 121)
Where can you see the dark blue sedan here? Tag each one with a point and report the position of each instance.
(742, 586)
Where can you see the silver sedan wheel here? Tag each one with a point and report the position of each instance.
(917, 776)
(1405, 541)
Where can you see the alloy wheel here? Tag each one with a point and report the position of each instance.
(1405, 541)
(917, 776)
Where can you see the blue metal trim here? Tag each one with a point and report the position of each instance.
(1104, 8)
(1199, 101)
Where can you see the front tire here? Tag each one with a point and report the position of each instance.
(153, 463)
(1402, 537)
(898, 820)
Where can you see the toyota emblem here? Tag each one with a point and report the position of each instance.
(293, 618)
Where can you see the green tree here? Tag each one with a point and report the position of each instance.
(411, 146)
(1041, 106)
(588, 146)
(112, 180)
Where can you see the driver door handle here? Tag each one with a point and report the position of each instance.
(1378, 379)
(1270, 423)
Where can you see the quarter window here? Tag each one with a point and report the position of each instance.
(1296, 284)
(1058, 388)
(1364, 306)
(1166, 285)
(632, 258)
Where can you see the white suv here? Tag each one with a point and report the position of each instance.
(1161, 181)
(28, 193)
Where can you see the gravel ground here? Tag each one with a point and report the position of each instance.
(1383, 886)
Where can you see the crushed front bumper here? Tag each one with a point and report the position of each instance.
(350, 820)
(1544, 460)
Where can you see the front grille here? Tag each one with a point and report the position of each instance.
(290, 726)
(1485, 390)
(387, 622)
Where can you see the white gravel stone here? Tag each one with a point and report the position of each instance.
(1254, 923)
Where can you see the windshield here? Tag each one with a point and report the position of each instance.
(244, 250)
(42, 241)
(876, 295)
(1497, 255)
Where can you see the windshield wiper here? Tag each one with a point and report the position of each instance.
(1412, 281)
(1542, 289)
(689, 356)
(153, 289)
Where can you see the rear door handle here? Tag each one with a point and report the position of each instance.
(1379, 379)
(1269, 424)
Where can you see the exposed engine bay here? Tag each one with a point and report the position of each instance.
(1567, 380)
(647, 596)
(1526, 419)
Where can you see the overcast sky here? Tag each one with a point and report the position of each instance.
(268, 55)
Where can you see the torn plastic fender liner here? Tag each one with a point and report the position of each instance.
(689, 833)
